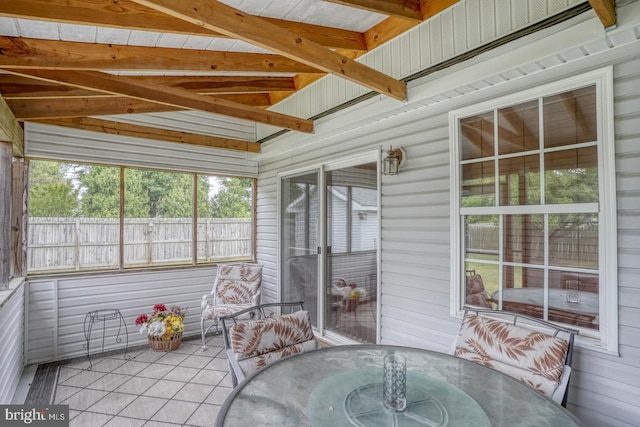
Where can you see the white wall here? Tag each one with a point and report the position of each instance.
(415, 255)
(12, 339)
(77, 145)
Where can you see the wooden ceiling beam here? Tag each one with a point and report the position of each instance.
(334, 38)
(20, 52)
(20, 87)
(431, 8)
(404, 9)
(207, 85)
(218, 16)
(224, 87)
(387, 30)
(120, 85)
(606, 11)
(147, 132)
(131, 16)
(35, 109)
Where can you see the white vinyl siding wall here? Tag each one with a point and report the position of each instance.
(75, 145)
(12, 339)
(415, 216)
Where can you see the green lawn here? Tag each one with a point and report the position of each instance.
(490, 272)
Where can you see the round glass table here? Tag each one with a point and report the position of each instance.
(342, 386)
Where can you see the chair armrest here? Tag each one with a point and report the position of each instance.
(205, 300)
(235, 366)
(558, 394)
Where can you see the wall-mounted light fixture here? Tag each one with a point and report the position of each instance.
(395, 158)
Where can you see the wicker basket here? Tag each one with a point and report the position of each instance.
(158, 344)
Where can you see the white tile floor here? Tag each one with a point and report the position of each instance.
(184, 387)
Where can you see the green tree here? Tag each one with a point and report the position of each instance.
(147, 193)
(234, 199)
(176, 199)
(51, 192)
(204, 202)
(43, 172)
(138, 191)
(100, 191)
(56, 199)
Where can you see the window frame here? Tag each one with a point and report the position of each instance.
(122, 267)
(606, 339)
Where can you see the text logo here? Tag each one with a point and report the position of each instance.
(34, 415)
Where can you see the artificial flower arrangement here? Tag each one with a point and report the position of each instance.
(163, 323)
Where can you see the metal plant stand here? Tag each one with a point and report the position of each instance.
(103, 316)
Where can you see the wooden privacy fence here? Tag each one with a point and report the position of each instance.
(579, 245)
(93, 243)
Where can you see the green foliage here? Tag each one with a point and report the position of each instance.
(93, 191)
(571, 186)
(100, 190)
(148, 193)
(234, 199)
(567, 186)
(51, 194)
(57, 199)
(176, 201)
(204, 202)
(43, 172)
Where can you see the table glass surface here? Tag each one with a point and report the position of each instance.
(342, 386)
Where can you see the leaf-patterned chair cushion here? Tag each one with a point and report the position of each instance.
(217, 311)
(534, 358)
(257, 343)
(237, 287)
(237, 284)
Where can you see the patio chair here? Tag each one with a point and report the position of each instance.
(537, 353)
(476, 294)
(237, 287)
(253, 344)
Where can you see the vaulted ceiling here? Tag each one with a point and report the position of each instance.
(88, 63)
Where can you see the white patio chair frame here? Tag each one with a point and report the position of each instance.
(259, 312)
(211, 300)
(562, 391)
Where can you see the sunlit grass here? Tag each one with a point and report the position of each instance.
(490, 272)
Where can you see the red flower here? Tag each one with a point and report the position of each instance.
(141, 319)
(159, 307)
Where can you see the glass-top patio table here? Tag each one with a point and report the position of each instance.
(342, 386)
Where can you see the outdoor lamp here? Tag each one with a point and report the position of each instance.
(391, 164)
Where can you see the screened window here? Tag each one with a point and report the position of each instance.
(529, 207)
(92, 217)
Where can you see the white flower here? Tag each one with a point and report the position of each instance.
(157, 328)
(143, 329)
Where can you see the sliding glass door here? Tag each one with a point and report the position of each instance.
(329, 246)
(352, 251)
(299, 204)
